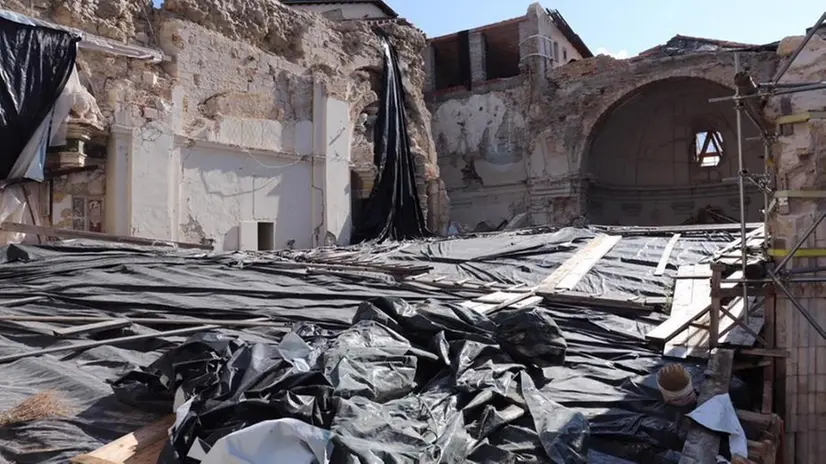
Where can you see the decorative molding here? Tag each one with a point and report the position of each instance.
(189, 142)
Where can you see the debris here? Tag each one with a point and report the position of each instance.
(44, 405)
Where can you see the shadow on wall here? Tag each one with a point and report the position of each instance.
(236, 196)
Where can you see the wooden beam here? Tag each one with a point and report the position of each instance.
(67, 233)
(703, 445)
(692, 299)
(141, 446)
(86, 329)
(568, 275)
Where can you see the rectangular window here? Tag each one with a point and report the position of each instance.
(708, 148)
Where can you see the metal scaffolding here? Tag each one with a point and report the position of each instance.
(746, 90)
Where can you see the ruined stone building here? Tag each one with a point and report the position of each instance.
(555, 138)
(246, 124)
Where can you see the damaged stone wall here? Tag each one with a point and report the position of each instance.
(581, 94)
(799, 155)
(481, 138)
(248, 96)
(543, 168)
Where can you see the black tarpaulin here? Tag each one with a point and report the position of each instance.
(599, 365)
(383, 398)
(393, 211)
(35, 64)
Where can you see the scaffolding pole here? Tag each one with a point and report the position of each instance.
(741, 178)
(773, 88)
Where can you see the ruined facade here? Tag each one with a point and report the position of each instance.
(599, 140)
(253, 130)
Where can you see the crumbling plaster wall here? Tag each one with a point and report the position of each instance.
(275, 90)
(481, 138)
(799, 155)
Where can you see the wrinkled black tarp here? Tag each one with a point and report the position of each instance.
(383, 400)
(393, 211)
(35, 64)
(608, 374)
(529, 257)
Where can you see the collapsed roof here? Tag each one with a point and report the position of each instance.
(385, 350)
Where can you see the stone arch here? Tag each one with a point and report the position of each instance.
(638, 161)
(620, 95)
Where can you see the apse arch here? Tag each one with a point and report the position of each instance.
(662, 154)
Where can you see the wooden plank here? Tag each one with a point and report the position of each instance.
(572, 264)
(732, 333)
(702, 445)
(669, 247)
(133, 448)
(567, 276)
(693, 338)
(75, 331)
(692, 298)
(486, 308)
(757, 233)
(67, 233)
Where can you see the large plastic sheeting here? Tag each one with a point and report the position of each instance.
(393, 210)
(528, 257)
(36, 63)
(383, 398)
(608, 375)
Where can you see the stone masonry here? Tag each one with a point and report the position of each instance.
(247, 75)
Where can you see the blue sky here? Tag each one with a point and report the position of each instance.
(627, 27)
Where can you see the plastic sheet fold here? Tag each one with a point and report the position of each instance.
(36, 63)
(369, 387)
(393, 210)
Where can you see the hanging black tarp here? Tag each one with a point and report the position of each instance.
(393, 211)
(35, 64)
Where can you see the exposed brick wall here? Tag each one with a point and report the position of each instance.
(478, 72)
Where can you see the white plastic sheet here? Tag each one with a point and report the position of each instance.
(13, 208)
(718, 414)
(287, 441)
(51, 132)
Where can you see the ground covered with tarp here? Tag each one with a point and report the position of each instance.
(365, 369)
